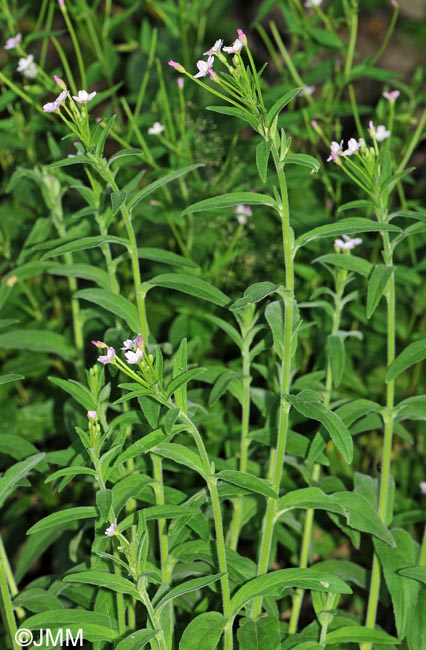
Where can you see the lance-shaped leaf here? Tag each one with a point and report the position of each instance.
(248, 482)
(204, 631)
(106, 580)
(255, 293)
(377, 285)
(412, 354)
(358, 634)
(231, 200)
(349, 226)
(96, 626)
(191, 285)
(164, 180)
(58, 519)
(14, 475)
(114, 303)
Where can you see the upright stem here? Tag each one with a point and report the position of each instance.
(6, 606)
(387, 441)
(276, 462)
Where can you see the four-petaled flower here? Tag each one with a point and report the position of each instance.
(379, 133)
(353, 146)
(27, 67)
(156, 129)
(112, 529)
(335, 149)
(108, 357)
(13, 42)
(242, 212)
(347, 244)
(83, 96)
(392, 95)
(134, 357)
(204, 67)
(50, 107)
(215, 49)
(129, 344)
(236, 46)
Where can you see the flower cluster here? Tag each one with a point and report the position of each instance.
(242, 213)
(336, 148)
(134, 351)
(347, 243)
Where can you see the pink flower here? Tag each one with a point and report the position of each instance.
(83, 96)
(92, 415)
(241, 36)
(242, 212)
(112, 529)
(379, 133)
(353, 146)
(134, 357)
(335, 149)
(129, 344)
(215, 49)
(60, 82)
(236, 46)
(176, 66)
(13, 42)
(61, 3)
(51, 107)
(180, 82)
(347, 244)
(107, 358)
(392, 95)
(204, 67)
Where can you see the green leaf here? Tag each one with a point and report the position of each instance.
(413, 353)
(231, 331)
(153, 187)
(42, 341)
(75, 470)
(141, 446)
(6, 379)
(416, 633)
(105, 580)
(263, 151)
(377, 286)
(311, 408)
(95, 625)
(113, 303)
(165, 257)
(104, 503)
(14, 475)
(412, 408)
(348, 226)
(358, 634)
(348, 262)
(281, 103)
(403, 590)
(414, 572)
(327, 38)
(83, 244)
(355, 205)
(186, 588)
(248, 482)
(304, 160)
(336, 356)
(58, 519)
(275, 317)
(117, 200)
(274, 583)
(235, 112)
(84, 271)
(182, 455)
(183, 379)
(80, 393)
(137, 640)
(231, 200)
(262, 634)
(255, 293)
(169, 512)
(203, 632)
(191, 285)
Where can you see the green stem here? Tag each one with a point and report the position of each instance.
(6, 606)
(353, 32)
(277, 456)
(76, 45)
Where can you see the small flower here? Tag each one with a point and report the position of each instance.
(335, 149)
(61, 3)
(313, 3)
(50, 107)
(347, 244)
(133, 357)
(392, 95)
(112, 529)
(156, 129)
(204, 67)
(13, 42)
(92, 415)
(307, 90)
(236, 46)
(379, 133)
(242, 212)
(422, 486)
(212, 74)
(353, 146)
(215, 49)
(176, 66)
(60, 82)
(180, 82)
(108, 357)
(99, 344)
(27, 67)
(129, 344)
(83, 96)
(241, 36)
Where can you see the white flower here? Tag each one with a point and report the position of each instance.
(242, 212)
(422, 486)
(156, 129)
(92, 415)
(27, 67)
(111, 530)
(107, 358)
(215, 49)
(129, 344)
(204, 67)
(392, 95)
(13, 42)
(348, 244)
(133, 357)
(236, 46)
(307, 90)
(313, 3)
(335, 149)
(50, 107)
(83, 96)
(379, 133)
(353, 146)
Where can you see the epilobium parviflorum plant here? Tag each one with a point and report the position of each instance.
(212, 327)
